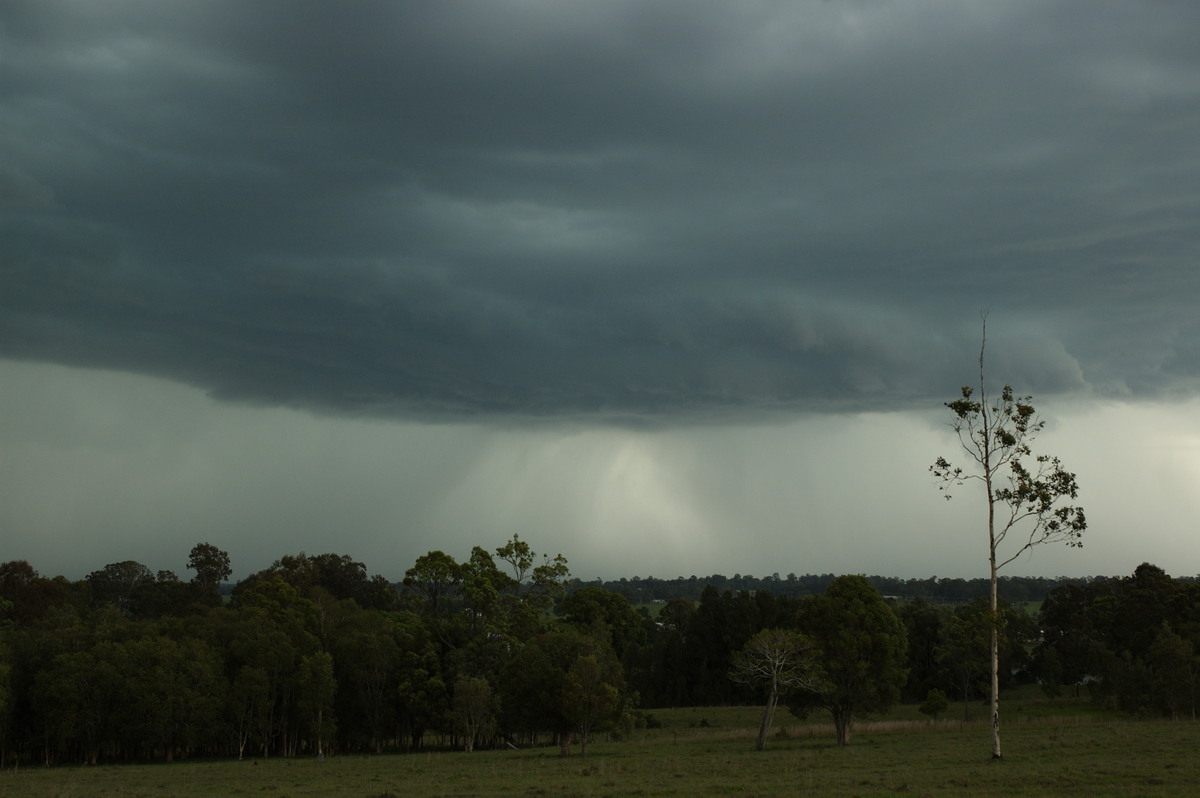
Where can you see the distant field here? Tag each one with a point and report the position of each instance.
(709, 751)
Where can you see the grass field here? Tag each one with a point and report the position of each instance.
(709, 751)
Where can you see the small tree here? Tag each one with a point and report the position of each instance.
(935, 703)
(473, 710)
(589, 698)
(779, 660)
(317, 688)
(997, 438)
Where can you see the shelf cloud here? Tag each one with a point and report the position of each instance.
(617, 215)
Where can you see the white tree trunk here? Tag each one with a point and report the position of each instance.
(995, 662)
(992, 543)
(764, 727)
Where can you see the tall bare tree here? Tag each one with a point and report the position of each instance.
(1026, 494)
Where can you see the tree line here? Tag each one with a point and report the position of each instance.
(314, 656)
(943, 590)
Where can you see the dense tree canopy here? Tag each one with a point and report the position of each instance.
(314, 655)
(862, 651)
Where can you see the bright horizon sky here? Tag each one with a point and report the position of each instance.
(117, 466)
(671, 289)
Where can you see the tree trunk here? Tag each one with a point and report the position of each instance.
(841, 724)
(768, 713)
(992, 543)
(996, 754)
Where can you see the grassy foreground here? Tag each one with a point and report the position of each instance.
(710, 752)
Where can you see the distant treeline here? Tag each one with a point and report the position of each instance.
(1015, 589)
(314, 655)
(640, 590)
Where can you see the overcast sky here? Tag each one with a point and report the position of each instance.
(671, 288)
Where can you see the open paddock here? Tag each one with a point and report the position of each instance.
(706, 751)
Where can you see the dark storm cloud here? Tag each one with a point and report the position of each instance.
(607, 210)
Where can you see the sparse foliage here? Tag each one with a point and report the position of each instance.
(780, 661)
(519, 557)
(1026, 500)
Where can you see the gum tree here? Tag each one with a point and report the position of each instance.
(473, 710)
(780, 661)
(861, 652)
(212, 568)
(1026, 495)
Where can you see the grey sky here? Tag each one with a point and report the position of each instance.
(622, 277)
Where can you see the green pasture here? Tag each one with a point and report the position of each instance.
(1051, 749)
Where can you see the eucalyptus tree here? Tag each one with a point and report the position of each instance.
(520, 558)
(1025, 494)
(472, 710)
(81, 700)
(547, 581)
(116, 583)
(779, 661)
(173, 692)
(338, 575)
(212, 568)
(270, 630)
(366, 661)
(594, 607)
(316, 689)
(590, 696)
(25, 595)
(861, 653)
(562, 682)
(435, 577)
